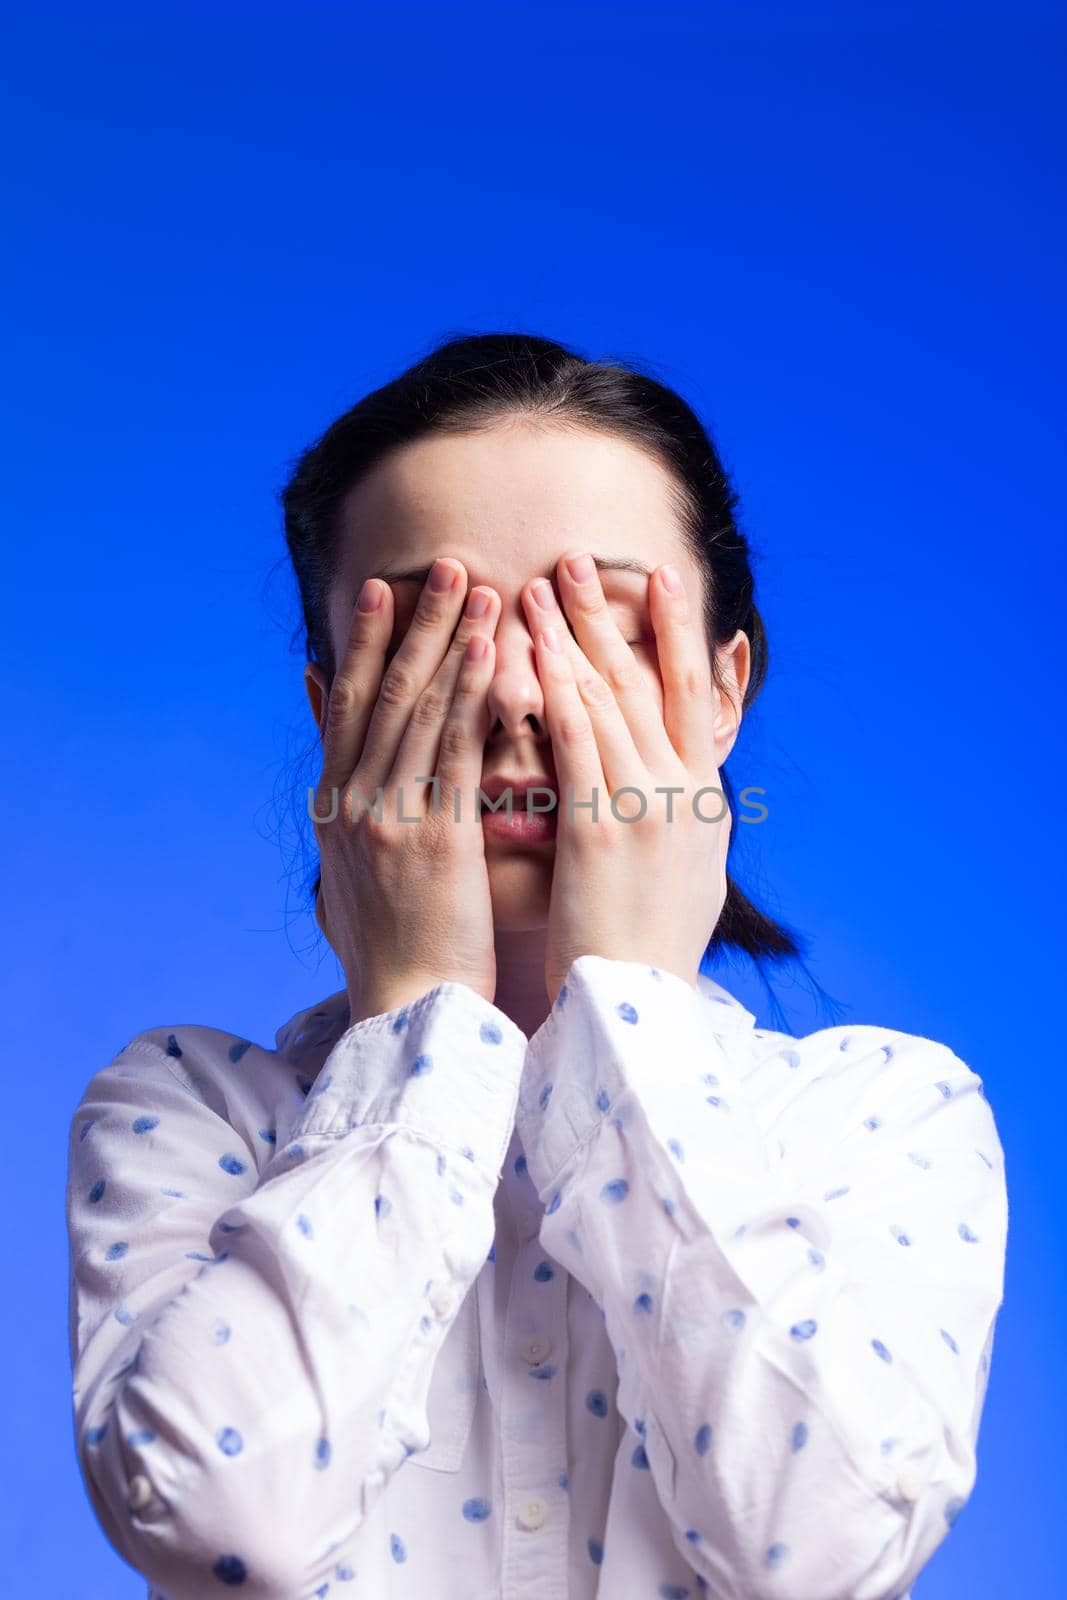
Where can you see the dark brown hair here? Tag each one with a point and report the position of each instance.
(475, 381)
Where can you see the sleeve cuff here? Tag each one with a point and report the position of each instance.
(625, 1039)
(447, 1066)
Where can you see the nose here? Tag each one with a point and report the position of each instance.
(516, 703)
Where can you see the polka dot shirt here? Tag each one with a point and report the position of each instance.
(655, 1304)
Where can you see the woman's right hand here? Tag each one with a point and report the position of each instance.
(406, 904)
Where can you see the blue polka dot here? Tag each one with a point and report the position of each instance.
(639, 1426)
(898, 1233)
(792, 1222)
(292, 1151)
(441, 1164)
(85, 1128)
(229, 1441)
(596, 1551)
(675, 1149)
(303, 1084)
(734, 1317)
(950, 1341)
(230, 1570)
(643, 1302)
(817, 1259)
(833, 1194)
(668, 1205)
(966, 1234)
(456, 1196)
(710, 1079)
(144, 1124)
(640, 1459)
(790, 1057)
(615, 1191)
(673, 1591)
(880, 1350)
(476, 1509)
(238, 1048)
(561, 998)
(269, 1135)
(221, 1332)
(555, 1205)
(422, 1064)
(544, 1096)
(702, 1439)
(492, 1252)
(343, 1572)
(543, 1273)
(544, 1372)
(400, 1021)
(596, 1401)
(920, 1161)
(945, 1088)
(117, 1251)
(173, 1047)
(467, 1153)
(396, 1548)
(564, 1481)
(953, 1508)
(231, 1164)
(489, 1033)
(805, 1329)
(603, 1100)
(382, 1206)
(800, 1435)
(95, 1434)
(142, 1436)
(304, 1224)
(872, 1123)
(124, 1316)
(776, 1554)
(716, 1100)
(323, 1453)
(626, 1011)
(177, 1194)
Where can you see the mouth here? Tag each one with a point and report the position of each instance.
(519, 810)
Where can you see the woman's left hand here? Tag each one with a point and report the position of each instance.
(650, 888)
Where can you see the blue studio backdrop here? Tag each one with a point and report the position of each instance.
(838, 230)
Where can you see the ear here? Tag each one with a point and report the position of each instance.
(734, 662)
(318, 694)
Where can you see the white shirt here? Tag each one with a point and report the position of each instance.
(657, 1303)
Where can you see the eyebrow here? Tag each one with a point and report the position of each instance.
(420, 574)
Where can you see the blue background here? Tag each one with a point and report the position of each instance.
(838, 231)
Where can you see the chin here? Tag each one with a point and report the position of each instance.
(520, 884)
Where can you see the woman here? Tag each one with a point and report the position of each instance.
(526, 1264)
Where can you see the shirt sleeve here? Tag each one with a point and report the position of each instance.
(801, 1301)
(252, 1350)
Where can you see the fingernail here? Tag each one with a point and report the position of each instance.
(541, 590)
(370, 596)
(552, 641)
(671, 581)
(441, 577)
(477, 603)
(581, 568)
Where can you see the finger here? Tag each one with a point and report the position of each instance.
(418, 756)
(618, 759)
(417, 659)
(355, 684)
(598, 636)
(685, 667)
(575, 749)
(462, 745)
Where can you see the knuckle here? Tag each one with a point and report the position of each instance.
(429, 708)
(575, 731)
(398, 685)
(455, 739)
(344, 698)
(600, 689)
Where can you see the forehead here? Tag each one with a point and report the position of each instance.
(508, 502)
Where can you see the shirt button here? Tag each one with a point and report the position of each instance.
(443, 1301)
(537, 1350)
(140, 1493)
(908, 1484)
(532, 1514)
